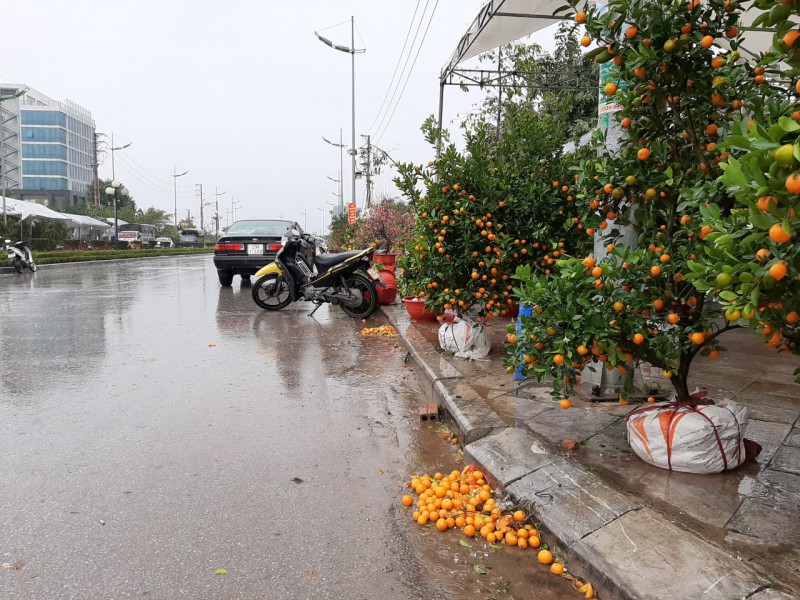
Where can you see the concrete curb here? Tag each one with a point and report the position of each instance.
(627, 550)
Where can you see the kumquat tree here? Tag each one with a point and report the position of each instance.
(499, 203)
(686, 97)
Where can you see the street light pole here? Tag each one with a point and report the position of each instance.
(114, 149)
(353, 81)
(175, 190)
(305, 219)
(352, 51)
(340, 145)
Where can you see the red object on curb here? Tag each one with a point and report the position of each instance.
(387, 295)
(416, 309)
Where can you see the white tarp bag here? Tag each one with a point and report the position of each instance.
(681, 436)
(464, 338)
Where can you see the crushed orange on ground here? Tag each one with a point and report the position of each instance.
(383, 330)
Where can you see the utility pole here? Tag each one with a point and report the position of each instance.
(216, 209)
(368, 172)
(199, 187)
(94, 169)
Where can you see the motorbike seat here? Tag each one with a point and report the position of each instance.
(19, 244)
(326, 261)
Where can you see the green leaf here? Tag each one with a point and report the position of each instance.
(788, 125)
(221, 572)
(738, 141)
(479, 570)
(759, 219)
(764, 144)
(729, 296)
(465, 543)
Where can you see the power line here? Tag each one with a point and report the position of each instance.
(403, 70)
(380, 136)
(399, 58)
(147, 183)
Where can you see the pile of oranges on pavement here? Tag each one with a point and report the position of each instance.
(464, 500)
(383, 330)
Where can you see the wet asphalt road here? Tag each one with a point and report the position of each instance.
(156, 428)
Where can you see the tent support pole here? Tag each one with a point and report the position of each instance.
(441, 110)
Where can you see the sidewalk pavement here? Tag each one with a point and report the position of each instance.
(633, 530)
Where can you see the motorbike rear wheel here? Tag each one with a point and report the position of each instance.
(369, 296)
(271, 292)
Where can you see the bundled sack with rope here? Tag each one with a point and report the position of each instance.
(685, 436)
(464, 338)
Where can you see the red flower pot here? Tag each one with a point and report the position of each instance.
(384, 259)
(416, 309)
(387, 295)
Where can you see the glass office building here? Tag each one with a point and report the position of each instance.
(49, 149)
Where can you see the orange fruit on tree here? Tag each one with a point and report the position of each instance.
(790, 38)
(717, 62)
(778, 234)
(673, 318)
(707, 41)
(558, 359)
(778, 270)
(655, 270)
(792, 317)
(643, 153)
(580, 17)
(545, 557)
(765, 201)
(610, 89)
(631, 32)
(698, 337)
(585, 41)
(638, 338)
(565, 403)
(793, 182)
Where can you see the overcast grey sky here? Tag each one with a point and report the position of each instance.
(239, 92)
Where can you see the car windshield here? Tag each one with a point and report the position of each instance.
(277, 228)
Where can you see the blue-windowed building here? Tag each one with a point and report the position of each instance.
(49, 148)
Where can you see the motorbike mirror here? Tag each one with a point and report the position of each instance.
(8, 241)
(295, 232)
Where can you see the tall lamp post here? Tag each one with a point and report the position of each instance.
(16, 94)
(352, 51)
(340, 145)
(116, 188)
(175, 191)
(216, 210)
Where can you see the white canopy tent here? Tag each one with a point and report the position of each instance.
(82, 224)
(29, 211)
(501, 22)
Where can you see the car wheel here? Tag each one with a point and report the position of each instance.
(225, 278)
(245, 280)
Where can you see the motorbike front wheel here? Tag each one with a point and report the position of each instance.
(271, 292)
(369, 296)
(32, 265)
(17, 264)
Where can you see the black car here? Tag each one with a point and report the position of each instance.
(249, 245)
